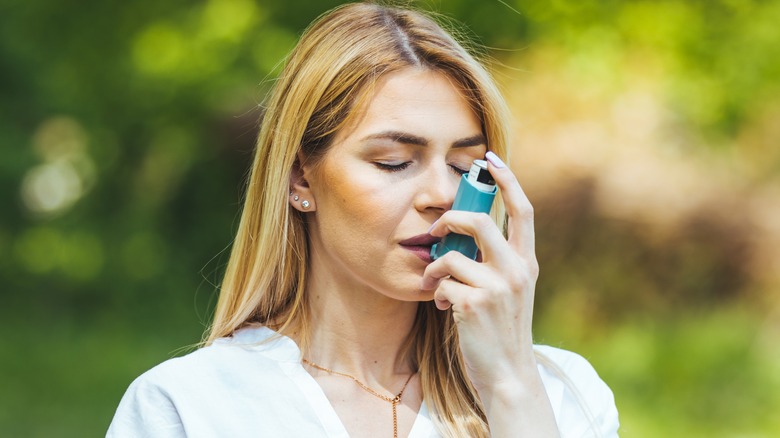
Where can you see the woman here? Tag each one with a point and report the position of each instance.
(332, 319)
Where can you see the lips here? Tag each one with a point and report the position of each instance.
(420, 245)
(420, 240)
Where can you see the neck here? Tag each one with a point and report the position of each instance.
(357, 331)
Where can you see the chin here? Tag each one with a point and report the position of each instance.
(414, 294)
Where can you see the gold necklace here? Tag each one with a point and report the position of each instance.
(394, 400)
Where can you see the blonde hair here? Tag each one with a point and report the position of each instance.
(330, 73)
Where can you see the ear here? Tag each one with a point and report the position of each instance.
(301, 197)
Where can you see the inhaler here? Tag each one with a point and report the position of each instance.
(476, 192)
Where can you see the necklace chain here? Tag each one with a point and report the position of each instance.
(393, 400)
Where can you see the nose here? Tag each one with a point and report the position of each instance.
(438, 185)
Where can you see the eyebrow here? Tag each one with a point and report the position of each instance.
(406, 138)
(474, 140)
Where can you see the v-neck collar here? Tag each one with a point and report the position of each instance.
(287, 354)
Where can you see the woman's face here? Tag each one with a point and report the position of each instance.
(386, 179)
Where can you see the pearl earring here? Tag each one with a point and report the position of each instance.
(305, 204)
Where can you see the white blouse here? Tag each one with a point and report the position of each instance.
(244, 387)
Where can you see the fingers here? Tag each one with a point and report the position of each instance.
(480, 226)
(519, 209)
(451, 293)
(469, 304)
(455, 265)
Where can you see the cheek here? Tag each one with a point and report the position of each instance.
(361, 206)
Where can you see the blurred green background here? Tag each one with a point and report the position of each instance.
(647, 135)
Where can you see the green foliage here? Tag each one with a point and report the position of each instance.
(128, 128)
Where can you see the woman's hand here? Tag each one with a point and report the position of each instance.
(492, 304)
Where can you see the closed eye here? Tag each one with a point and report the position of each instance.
(392, 167)
(401, 166)
(458, 170)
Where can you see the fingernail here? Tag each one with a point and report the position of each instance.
(494, 160)
(433, 225)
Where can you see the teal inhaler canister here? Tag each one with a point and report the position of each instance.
(476, 192)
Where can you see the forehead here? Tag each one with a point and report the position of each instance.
(419, 101)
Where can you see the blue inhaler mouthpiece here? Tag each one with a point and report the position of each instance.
(476, 192)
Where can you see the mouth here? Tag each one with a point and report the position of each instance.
(420, 246)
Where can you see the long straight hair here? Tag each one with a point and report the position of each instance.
(329, 75)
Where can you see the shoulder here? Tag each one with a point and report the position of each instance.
(581, 400)
(147, 408)
(170, 397)
(248, 350)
